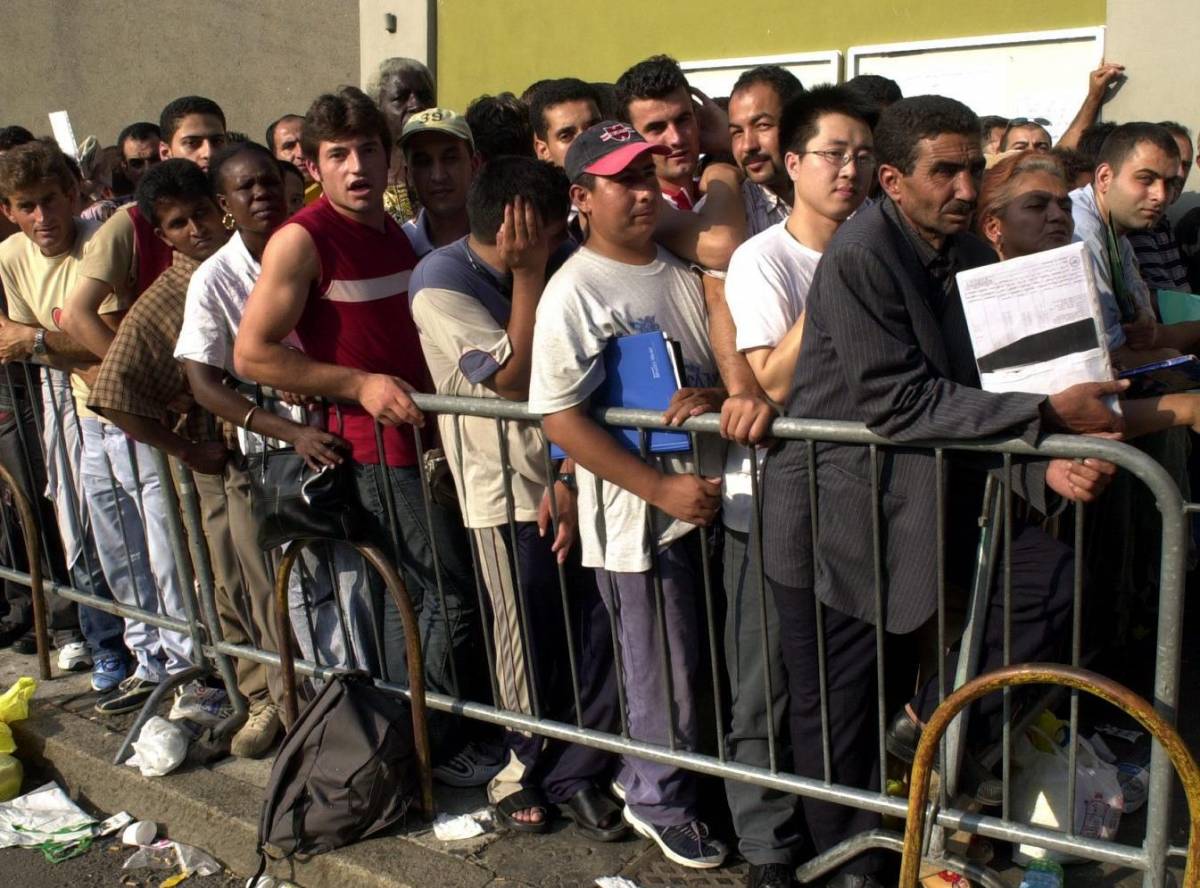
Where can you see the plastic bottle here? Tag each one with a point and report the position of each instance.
(1043, 874)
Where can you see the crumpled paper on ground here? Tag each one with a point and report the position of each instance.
(160, 748)
(43, 816)
(615, 882)
(165, 854)
(14, 707)
(452, 828)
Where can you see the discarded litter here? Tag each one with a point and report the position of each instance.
(14, 707)
(160, 748)
(1123, 733)
(168, 855)
(615, 882)
(47, 820)
(449, 828)
(114, 824)
(140, 833)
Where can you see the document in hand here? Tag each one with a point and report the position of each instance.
(641, 372)
(1035, 322)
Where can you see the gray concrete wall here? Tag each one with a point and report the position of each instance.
(111, 62)
(415, 35)
(1157, 41)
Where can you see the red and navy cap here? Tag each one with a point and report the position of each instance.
(607, 148)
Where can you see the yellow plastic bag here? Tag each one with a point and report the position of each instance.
(14, 707)
(11, 775)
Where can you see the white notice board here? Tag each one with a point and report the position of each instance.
(1031, 74)
(715, 77)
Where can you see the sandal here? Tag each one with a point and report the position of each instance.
(590, 810)
(524, 800)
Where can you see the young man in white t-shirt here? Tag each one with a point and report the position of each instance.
(618, 284)
(828, 153)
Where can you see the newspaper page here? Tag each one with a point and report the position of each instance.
(1035, 322)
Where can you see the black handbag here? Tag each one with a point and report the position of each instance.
(291, 501)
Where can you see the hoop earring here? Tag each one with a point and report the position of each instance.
(229, 222)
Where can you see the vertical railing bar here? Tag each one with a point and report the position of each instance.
(1007, 692)
(659, 606)
(880, 617)
(710, 617)
(819, 619)
(760, 580)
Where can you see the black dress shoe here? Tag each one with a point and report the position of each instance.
(851, 880)
(770, 875)
(26, 644)
(902, 737)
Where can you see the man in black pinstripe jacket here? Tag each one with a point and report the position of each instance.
(886, 343)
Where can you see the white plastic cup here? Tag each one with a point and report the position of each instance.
(140, 833)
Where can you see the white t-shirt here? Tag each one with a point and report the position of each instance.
(589, 301)
(216, 300)
(766, 287)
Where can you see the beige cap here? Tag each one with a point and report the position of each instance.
(437, 120)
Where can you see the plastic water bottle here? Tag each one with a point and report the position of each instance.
(1043, 874)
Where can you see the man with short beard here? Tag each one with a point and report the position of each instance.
(755, 107)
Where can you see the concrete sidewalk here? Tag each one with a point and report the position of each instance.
(216, 807)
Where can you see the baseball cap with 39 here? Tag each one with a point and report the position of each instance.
(606, 149)
(437, 120)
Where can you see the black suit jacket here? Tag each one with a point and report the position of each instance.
(886, 346)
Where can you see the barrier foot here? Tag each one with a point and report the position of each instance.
(165, 686)
(886, 840)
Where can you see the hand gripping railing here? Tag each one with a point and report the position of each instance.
(1045, 673)
(412, 641)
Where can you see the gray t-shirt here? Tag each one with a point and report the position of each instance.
(589, 301)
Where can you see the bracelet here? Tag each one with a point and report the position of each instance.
(567, 480)
(249, 414)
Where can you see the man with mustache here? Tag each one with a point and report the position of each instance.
(755, 108)
(440, 158)
(823, 141)
(886, 344)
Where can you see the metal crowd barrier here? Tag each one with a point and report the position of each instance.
(994, 554)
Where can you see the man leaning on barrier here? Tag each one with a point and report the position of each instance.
(886, 343)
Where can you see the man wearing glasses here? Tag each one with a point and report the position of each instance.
(826, 152)
(140, 149)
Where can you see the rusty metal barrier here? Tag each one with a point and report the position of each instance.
(1046, 673)
(412, 639)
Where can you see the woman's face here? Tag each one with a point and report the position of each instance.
(252, 192)
(1037, 219)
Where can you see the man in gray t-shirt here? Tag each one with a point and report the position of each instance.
(620, 283)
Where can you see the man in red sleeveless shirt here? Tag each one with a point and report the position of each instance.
(338, 275)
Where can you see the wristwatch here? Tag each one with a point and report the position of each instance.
(39, 342)
(567, 480)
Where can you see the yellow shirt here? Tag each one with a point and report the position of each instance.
(111, 255)
(37, 286)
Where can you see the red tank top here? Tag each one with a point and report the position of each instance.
(358, 315)
(153, 256)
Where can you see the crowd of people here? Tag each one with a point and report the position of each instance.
(799, 246)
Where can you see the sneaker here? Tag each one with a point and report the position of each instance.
(128, 697)
(74, 657)
(258, 734)
(108, 672)
(618, 789)
(470, 766)
(201, 704)
(687, 845)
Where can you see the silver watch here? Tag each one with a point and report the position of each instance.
(39, 342)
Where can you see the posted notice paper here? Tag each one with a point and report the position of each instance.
(1035, 322)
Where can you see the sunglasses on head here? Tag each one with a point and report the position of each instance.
(1025, 121)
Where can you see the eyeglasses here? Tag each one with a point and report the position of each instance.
(1025, 121)
(840, 159)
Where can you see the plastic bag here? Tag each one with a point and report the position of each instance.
(1040, 795)
(11, 775)
(159, 749)
(168, 855)
(14, 707)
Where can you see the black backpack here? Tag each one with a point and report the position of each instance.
(346, 771)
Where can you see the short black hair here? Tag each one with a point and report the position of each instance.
(798, 122)
(141, 131)
(786, 84)
(176, 179)
(606, 94)
(1073, 162)
(549, 93)
(12, 136)
(989, 122)
(902, 125)
(270, 143)
(218, 161)
(168, 121)
(341, 115)
(500, 126)
(1176, 129)
(654, 78)
(506, 178)
(1123, 140)
(1091, 139)
(880, 91)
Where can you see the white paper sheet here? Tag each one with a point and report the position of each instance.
(64, 133)
(1036, 294)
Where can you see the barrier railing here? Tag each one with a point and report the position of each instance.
(994, 559)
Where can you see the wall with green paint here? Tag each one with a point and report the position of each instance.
(493, 45)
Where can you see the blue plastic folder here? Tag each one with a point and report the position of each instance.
(1163, 377)
(641, 372)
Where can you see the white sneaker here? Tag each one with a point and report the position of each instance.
(74, 657)
(201, 704)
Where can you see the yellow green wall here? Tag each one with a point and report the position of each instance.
(493, 45)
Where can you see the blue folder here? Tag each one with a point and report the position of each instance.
(1179, 374)
(641, 372)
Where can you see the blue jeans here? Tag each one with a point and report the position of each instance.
(445, 633)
